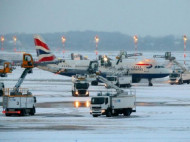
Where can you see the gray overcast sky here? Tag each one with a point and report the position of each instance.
(141, 17)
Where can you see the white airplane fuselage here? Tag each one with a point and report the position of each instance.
(147, 69)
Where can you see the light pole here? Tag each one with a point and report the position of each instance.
(2, 40)
(184, 40)
(14, 40)
(96, 38)
(63, 39)
(135, 37)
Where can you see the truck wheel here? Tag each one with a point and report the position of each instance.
(108, 113)
(115, 114)
(32, 111)
(73, 94)
(7, 114)
(95, 115)
(23, 112)
(127, 112)
(180, 81)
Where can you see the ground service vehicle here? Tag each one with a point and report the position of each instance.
(110, 104)
(6, 69)
(120, 81)
(3, 73)
(80, 86)
(179, 78)
(176, 77)
(20, 101)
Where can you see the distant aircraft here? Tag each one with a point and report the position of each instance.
(145, 69)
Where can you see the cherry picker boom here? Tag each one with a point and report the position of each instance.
(125, 55)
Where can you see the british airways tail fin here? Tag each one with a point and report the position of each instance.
(43, 52)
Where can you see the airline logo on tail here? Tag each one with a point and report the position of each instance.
(42, 49)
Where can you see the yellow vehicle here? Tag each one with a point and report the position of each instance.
(6, 69)
(28, 61)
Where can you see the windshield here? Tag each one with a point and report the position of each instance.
(174, 75)
(97, 100)
(111, 78)
(82, 85)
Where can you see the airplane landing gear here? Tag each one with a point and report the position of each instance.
(150, 82)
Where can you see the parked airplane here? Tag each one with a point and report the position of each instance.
(146, 69)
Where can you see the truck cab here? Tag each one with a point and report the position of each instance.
(179, 78)
(120, 80)
(175, 78)
(80, 86)
(99, 105)
(112, 79)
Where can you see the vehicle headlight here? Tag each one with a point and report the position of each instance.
(87, 92)
(77, 104)
(176, 81)
(87, 103)
(77, 93)
(103, 111)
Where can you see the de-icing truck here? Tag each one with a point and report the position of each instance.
(111, 104)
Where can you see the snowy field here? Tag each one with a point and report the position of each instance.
(163, 113)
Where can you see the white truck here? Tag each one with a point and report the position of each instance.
(179, 78)
(120, 81)
(80, 86)
(113, 104)
(18, 104)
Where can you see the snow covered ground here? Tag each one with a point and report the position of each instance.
(163, 114)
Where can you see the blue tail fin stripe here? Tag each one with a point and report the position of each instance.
(39, 52)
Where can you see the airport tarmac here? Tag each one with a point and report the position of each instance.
(162, 114)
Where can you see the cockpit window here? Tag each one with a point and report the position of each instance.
(159, 66)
